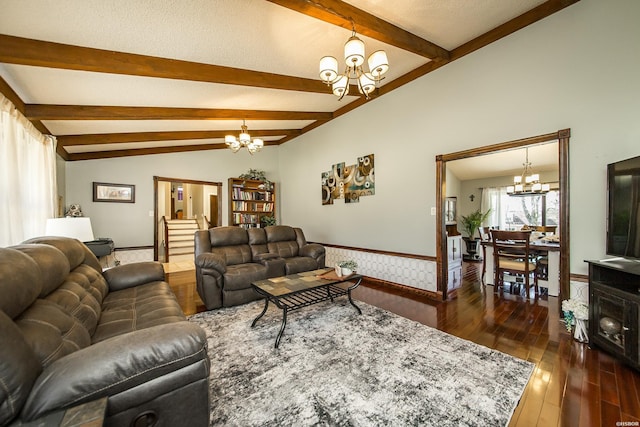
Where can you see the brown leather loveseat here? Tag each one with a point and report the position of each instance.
(228, 259)
(72, 334)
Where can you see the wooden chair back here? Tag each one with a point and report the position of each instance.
(512, 253)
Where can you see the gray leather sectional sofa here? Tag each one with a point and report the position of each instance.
(228, 259)
(71, 334)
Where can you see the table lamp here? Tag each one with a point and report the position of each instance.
(76, 228)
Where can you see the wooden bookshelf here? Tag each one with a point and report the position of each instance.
(249, 201)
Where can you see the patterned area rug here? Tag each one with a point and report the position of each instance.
(337, 368)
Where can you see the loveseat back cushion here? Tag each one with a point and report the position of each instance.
(232, 243)
(257, 242)
(19, 369)
(20, 281)
(282, 240)
(239, 254)
(51, 332)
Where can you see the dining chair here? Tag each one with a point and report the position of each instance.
(512, 254)
(485, 236)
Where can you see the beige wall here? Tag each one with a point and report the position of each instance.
(577, 69)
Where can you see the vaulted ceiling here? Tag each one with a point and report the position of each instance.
(113, 78)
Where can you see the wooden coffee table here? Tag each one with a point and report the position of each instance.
(300, 290)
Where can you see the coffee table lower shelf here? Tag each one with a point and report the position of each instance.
(298, 299)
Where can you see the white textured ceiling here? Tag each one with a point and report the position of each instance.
(248, 34)
(543, 158)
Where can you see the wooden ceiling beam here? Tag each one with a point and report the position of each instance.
(344, 15)
(23, 51)
(156, 150)
(123, 138)
(89, 112)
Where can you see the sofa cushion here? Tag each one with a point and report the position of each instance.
(141, 307)
(299, 264)
(81, 295)
(51, 332)
(286, 249)
(18, 370)
(21, 281)
(240, 276)
(75, 251)
(233, 255)
(52, 263)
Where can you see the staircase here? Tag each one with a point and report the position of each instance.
(179, 239)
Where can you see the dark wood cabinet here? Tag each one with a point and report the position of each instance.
(614, 304)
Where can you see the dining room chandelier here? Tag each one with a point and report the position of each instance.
(366, 81)
(244, 140)
(528, 182)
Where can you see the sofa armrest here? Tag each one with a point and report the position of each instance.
(274, 263)
(214, 261)
(131, 361)
(313, 250)
(132, 275)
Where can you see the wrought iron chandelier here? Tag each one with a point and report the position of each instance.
(527, 183)
(244, 140)
(366, 81)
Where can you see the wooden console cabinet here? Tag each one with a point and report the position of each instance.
(614, 305)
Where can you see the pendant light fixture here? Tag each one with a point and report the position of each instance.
(527, 183)
(366, 81)
(244, 140)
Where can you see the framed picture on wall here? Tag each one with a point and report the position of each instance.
(119, 193)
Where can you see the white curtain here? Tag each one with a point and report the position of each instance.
(491, 199)
(27, 177)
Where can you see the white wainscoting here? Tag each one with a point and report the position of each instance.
(129, 256)
(412, 272)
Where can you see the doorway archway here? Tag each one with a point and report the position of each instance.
(211, 203)
(562, 137)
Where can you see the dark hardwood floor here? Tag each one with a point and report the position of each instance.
(572, 384)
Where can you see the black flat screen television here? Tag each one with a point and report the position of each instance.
(623, 222)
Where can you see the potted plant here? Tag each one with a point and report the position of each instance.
(257, 175)
(470, 224)
(267, 220)
(346, 267)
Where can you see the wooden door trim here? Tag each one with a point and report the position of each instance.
(562, 137)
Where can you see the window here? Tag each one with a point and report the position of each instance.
(513, 212)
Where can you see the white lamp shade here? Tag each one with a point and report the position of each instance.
(546, 187)
(258, 143)
(517, 179)
(354, 52)
(245, 138)
(378, 63)
(229, 139)
(341, 86)
(328, 69)
(367, 84)
(235, 146)
(76, 228)
(535, 177)
(536, 186)
(519, 188)
(510, 189)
